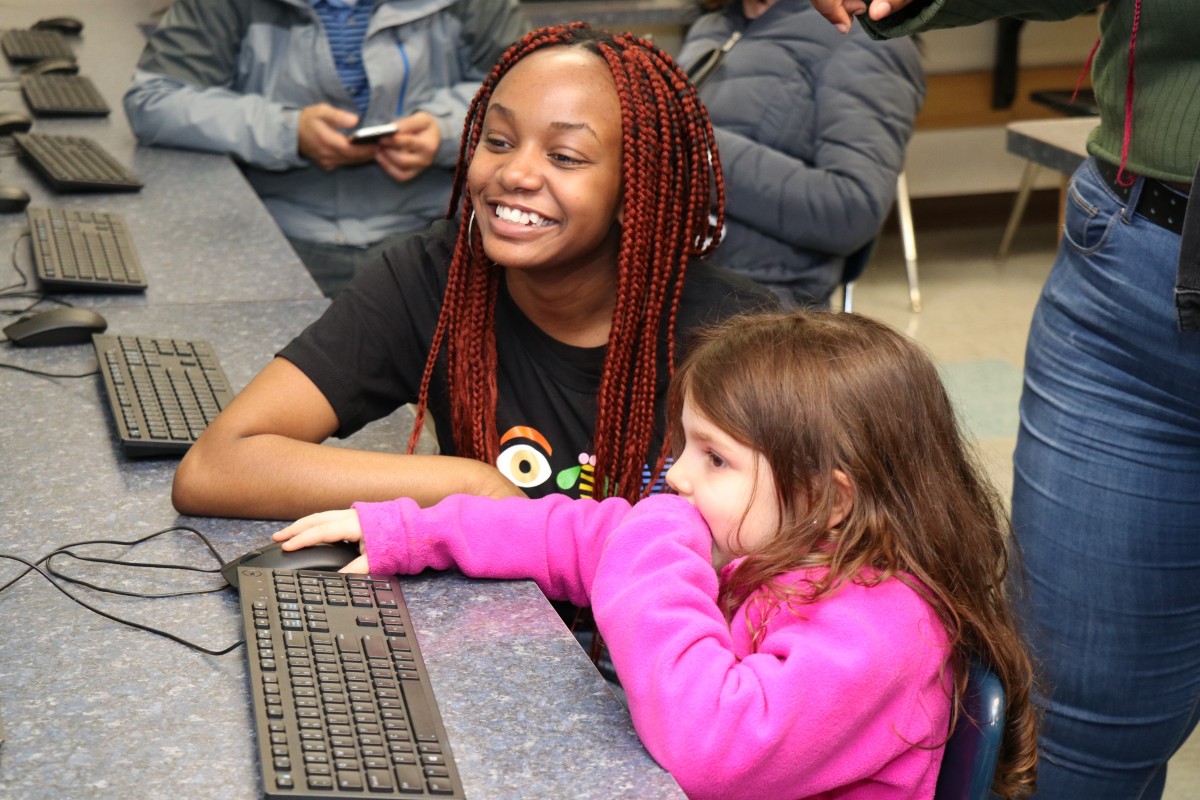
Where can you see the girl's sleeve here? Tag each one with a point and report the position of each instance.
(848, 691)
(555, 540)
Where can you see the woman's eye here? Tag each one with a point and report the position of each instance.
(565, 160)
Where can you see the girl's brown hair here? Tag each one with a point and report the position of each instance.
(818, 392)
(673, 198)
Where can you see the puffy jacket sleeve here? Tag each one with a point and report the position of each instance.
(554, 540)
(866, 99)
(182, 96)
(846, 692)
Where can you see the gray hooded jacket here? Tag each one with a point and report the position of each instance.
(231, 76)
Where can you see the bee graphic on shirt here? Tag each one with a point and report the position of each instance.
(583, 475)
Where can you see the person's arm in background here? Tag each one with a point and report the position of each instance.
(891, 18)
(866, 97)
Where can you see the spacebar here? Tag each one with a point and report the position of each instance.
(420, 715)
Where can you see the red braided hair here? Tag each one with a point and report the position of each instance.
(674, 200)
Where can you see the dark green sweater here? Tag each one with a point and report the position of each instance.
(1165, 139)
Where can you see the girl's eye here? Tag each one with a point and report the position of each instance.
(715, 459)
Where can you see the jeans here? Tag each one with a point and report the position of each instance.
(333, 266)
(1106, 504)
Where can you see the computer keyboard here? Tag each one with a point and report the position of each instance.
(343, 705)
(63, 96)
(21, 45)
(75, 163)
(163, 392)
(76, 250)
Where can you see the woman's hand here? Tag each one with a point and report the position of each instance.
(327, 526)
(842, 12)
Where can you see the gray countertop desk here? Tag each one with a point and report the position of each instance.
(200, 231)
(92, 708)
(96, 709)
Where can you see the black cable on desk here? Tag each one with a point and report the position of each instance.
(50, 574)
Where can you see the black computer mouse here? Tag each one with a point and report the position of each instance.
(13, 199)
(67, 25)
(323, 557)
(11, 122)
(52, 66)
(56, 326)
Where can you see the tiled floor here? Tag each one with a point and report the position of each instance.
(974, 322)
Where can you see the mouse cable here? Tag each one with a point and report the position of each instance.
(41, 374)
(64, 550)
(28, 233)
(35, 567)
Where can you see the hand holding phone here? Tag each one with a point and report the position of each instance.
(372, 133)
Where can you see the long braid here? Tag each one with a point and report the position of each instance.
(673, 195)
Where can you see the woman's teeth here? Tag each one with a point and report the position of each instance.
(521, 217)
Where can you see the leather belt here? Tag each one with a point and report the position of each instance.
(1159, 202)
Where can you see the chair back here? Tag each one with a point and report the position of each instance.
(852, 269)
(969, 763)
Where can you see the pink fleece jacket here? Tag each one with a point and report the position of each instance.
(844, 698)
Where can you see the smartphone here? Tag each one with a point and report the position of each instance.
(372, 133)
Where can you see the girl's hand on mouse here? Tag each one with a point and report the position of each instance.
(327, 526)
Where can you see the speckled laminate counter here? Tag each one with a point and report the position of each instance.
(96, 709)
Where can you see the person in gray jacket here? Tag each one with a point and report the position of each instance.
(812, 127)
(279, 84)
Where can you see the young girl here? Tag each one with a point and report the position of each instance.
(539, 332)
(859, 561)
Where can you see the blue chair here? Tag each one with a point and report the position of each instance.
(969, 763)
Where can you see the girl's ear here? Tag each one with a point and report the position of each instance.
(845, 498)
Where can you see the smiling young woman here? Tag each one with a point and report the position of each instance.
(538, 324)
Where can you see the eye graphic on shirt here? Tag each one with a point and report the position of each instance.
(524, 461)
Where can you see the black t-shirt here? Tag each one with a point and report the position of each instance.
(367, 353)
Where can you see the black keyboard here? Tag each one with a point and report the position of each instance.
(22, 45)
(76, 250)
(343, 705)
(163, 392)
(63, 96)
(75, 163)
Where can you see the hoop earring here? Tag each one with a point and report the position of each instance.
(471, 234)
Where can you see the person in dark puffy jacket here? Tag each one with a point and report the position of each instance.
(812, 128)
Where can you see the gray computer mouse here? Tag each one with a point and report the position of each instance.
(13, 199)
(53, 66)
(321, 557)
(70, 26)
(11, 122)
(56, 326)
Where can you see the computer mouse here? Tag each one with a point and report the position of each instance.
(13, 199)
(67, 25)
(322, 557)
(52, 66)
(56, 326)
(11, 122)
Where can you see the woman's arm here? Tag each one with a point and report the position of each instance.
(263, 458)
